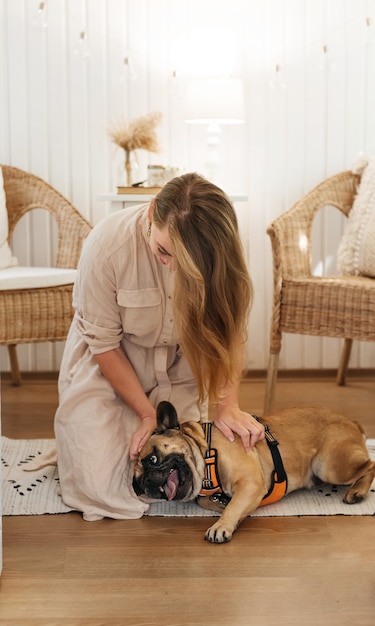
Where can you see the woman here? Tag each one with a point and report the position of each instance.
(161, 300)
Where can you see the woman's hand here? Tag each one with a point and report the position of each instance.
(145, 430)
(231, 420)
(119, 372)
(229, 417)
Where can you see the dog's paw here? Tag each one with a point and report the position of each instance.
(218, 533)
(352, 497)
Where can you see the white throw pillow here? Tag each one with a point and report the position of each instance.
(356, 252)
(6, 257)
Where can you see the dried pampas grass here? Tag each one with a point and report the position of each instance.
(137, 135)
(140, 134)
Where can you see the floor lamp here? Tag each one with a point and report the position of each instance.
(214, 102)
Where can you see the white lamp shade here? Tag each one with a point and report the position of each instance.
(219, 100)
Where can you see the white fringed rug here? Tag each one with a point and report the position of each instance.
(37, 492)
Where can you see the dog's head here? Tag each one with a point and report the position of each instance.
(171, 465)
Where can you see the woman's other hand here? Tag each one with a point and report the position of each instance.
(231, 421)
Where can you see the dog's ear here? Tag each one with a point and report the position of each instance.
(166, 417)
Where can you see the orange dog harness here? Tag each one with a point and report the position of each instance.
(211, 485)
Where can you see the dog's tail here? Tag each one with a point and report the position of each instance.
(48, 458)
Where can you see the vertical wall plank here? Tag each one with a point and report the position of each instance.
(4, 83)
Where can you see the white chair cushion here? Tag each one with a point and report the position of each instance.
(35, 277)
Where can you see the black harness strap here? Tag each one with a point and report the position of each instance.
(279, 478)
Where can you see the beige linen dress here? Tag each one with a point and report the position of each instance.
(122, 297)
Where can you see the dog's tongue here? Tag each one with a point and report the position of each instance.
(171, 486)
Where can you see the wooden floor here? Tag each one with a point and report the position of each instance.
(58, 569)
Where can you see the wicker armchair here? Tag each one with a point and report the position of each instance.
(39, 314)
(338, 306)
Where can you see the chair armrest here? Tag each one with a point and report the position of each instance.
(73, 229)
(25, 192)
(290, 233)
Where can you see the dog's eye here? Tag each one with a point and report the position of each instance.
(153, 459)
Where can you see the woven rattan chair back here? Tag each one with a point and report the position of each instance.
(303, 304)
(43, 314)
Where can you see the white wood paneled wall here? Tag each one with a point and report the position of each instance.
(304, 122)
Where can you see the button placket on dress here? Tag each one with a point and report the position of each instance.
(166, 339)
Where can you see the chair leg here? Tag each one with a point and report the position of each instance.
(344, 362)
(16, 376)
(273, 363)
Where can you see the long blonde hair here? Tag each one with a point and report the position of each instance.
(212, 289)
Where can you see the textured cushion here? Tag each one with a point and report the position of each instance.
(35, 277)
(356, 253)
(6, 257)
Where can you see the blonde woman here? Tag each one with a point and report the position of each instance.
(161, 300)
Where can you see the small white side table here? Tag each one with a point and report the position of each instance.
(123, 200)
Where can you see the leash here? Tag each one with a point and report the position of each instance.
(211, 485)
